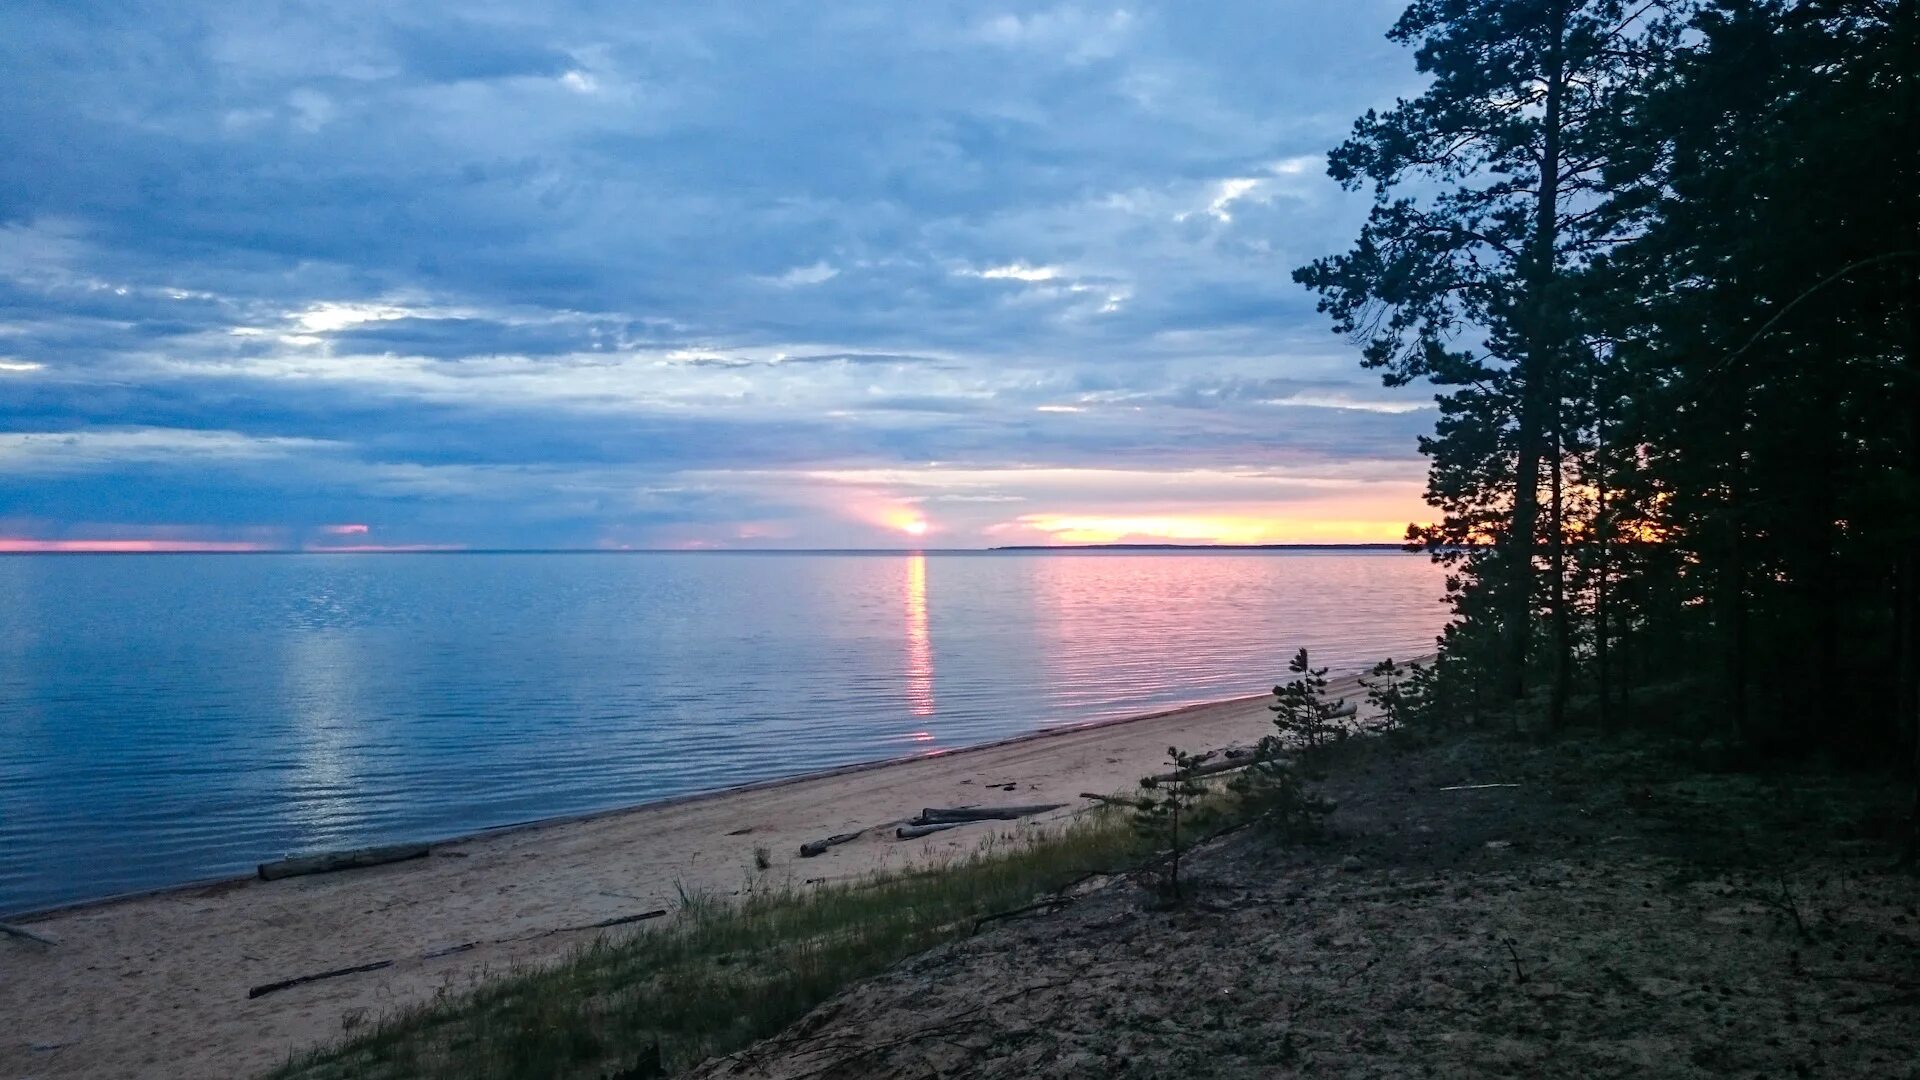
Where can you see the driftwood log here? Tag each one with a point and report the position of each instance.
(328, 862)
(910, 832)
(657, 913)
(1114, 800)
(815, 847)
(22, 932)
(960, 815)
(301, 980)
(446, 950)
(1209, 769)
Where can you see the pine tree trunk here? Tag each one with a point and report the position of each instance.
(1562, 618)
(1602, 529)
(1908, 654)
(1734, 597)
(1536, 368)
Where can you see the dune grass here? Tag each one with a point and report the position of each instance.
(722, 973)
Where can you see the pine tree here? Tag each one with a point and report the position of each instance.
(1165, 814)
(1484, 189)
(1395, 693)
(1305, 717)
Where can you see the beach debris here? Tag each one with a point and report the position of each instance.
(1115, 800)
(25, 934)
(301, 980)
(960, 815)
(620, 920)
(327, 862)
(447, 950)
(815, 847)
(1475, 787)
(741, 832)
(1225, 764)
(910, 832)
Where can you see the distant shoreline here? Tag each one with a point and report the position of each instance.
(1004, 549)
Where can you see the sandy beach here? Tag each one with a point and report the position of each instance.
(156, 986)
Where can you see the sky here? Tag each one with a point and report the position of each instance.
(564, 274)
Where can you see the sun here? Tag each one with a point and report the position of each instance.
(914, 528)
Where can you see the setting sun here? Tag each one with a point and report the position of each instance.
(914, 528)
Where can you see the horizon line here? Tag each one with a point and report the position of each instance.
(445, 550)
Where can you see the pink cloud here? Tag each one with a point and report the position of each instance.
(366, 549)
(26, 545)
(344, 530)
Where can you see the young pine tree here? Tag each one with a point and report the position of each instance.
(1272, 791)
(1302, 711)
(1395, 692)
(1165, 815)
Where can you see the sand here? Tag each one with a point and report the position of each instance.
(1627, 907)
(157, 985)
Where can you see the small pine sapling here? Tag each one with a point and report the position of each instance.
(1302, 711)
(1272, 792)
(1166, 811)
(1394, 692)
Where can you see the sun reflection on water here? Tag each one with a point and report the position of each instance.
(919, 645)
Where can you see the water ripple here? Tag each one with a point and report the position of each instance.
(168, 718)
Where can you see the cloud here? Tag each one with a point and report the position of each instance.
(817, 274)
(561, 274)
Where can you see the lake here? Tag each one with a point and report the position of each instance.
(165, 718)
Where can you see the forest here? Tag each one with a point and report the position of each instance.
(1660, 262)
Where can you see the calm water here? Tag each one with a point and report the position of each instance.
(165, 718)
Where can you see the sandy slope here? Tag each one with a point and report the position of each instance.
(157, 986)
(1615, 912)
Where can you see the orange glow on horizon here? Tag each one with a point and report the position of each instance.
(1205, 529)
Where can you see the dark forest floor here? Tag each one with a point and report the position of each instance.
(1622, 911)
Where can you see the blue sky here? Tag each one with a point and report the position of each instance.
(569, 274)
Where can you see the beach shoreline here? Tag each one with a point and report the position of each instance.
(28, 915)
(156, 983)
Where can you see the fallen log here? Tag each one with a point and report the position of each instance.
(814, 847)
(1476, 787)
(1209, 769)
(959, 815)
(300, 980)
(22, 932)
(622, 920)
(327, 862)
(909, 832)
(1115, 800)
